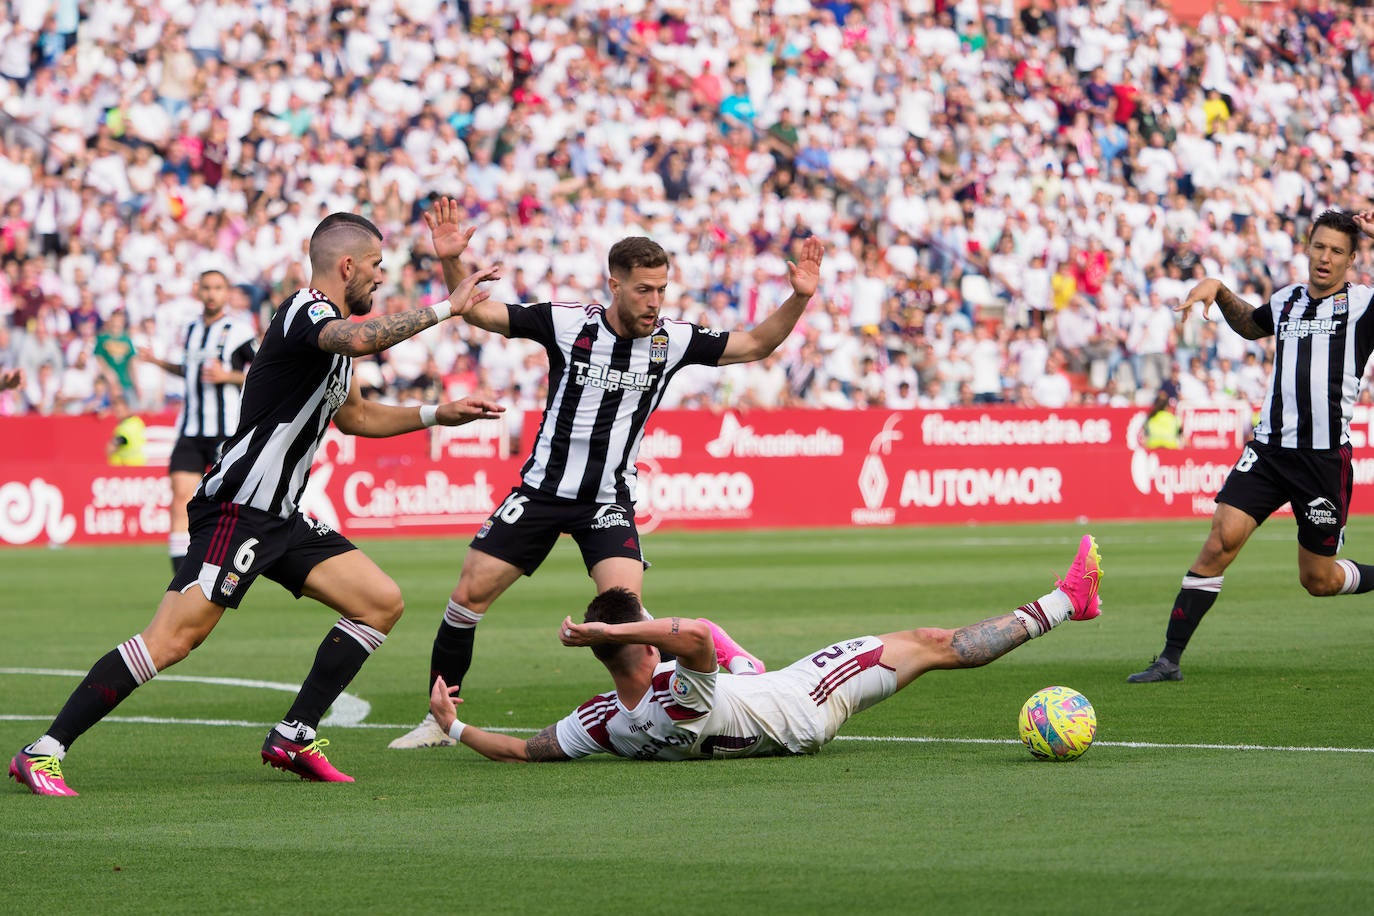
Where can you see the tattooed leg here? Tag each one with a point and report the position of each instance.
(982, 642)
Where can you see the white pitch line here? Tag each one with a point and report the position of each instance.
(876, 739)
(347, 709)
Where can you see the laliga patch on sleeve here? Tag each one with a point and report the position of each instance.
(679, 687)
(319, 311)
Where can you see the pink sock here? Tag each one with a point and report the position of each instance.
(730, 655)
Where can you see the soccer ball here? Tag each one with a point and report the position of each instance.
(1058, 723)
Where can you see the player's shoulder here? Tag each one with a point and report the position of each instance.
(311, 304)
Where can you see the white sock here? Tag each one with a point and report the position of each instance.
(47, 746)
(178, 542)
(455, 615)
(295, 731)
(741, 664)
(1039, 617)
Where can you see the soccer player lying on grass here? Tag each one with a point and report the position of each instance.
(685, 709)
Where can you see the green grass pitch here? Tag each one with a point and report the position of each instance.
(1244, 789)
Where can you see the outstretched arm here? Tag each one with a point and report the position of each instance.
(766, 336)
(1239, 314)
(363, 338)
(373, 420)
(542, 748)
(450, 241)
(686, 637)
(148, 356)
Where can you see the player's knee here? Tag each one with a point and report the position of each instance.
(937, 645)
(476, 600)
(389, 605)
(1318, 584)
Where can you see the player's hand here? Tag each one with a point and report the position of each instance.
(465, 410)
(805, 272)
(581, 634)
(145, 354)
(1204, 293)
(214, 372)
(443, 701)
(467, 294)
(1365, 221)
(450, 239)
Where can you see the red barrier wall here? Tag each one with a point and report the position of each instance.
(699, 470)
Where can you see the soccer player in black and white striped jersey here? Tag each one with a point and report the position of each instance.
(245, 518)
(608, 366)
(216, 350)
(1300, 452)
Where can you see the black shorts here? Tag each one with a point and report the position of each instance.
(1318, 482)
(231, 545)
(526, 525)
(194, 454)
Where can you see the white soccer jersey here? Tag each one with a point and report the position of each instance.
(692, 714)
(1321, 349)
(602, 389)
(212, 409)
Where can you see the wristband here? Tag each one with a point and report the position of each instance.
(442, 309)
(429, 414)
(455, 731)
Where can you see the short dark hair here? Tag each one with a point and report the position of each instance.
(1343, 221)
(635, 251)
(614, 605)
(337, 231)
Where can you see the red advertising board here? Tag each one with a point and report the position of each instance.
(698, 470)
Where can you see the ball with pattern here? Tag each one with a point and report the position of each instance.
(1058, 723)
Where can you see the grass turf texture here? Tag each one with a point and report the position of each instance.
(183, 818)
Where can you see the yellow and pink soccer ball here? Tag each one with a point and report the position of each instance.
(1058, 723)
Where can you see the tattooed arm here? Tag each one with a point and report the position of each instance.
(1239, 314)
(542, 748)
(362, 338)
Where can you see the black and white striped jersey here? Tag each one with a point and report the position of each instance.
(602, 388)
(292, 391)
(212, 409)
(1321, 348)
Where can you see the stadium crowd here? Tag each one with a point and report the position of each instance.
(1013, 195)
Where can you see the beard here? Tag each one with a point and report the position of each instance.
(358, 301)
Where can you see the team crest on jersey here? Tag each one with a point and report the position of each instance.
(319, 311)
(1340, 304)
(678, 687)
(231, 582)
(658, 348)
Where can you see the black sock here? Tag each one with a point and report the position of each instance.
(1194, 600)
(105, 687)
(337, 662)
(451, 656)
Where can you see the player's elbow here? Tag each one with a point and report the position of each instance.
(694, 638)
